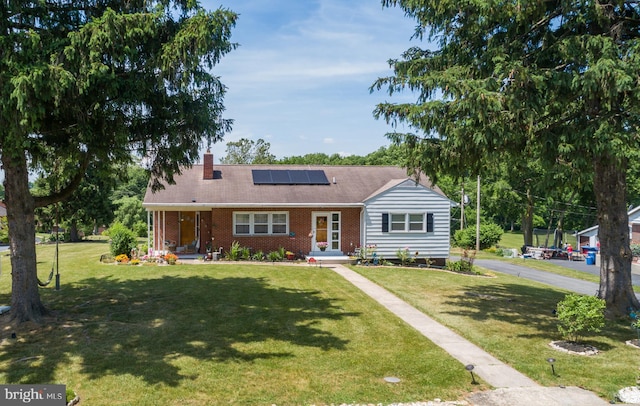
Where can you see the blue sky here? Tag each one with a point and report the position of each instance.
(300, 77)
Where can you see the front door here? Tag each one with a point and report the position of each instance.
(326, 231)
(187, 227)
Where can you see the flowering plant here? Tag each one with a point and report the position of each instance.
(171, 258)
(366, 252)
(404, 256)
(322, 244)
(122, 258)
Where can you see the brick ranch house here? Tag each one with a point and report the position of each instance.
(265, 207)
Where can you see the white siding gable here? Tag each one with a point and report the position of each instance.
(634, 216)
(408, 197)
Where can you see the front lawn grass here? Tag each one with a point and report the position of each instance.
(223, 333)
(512, 318)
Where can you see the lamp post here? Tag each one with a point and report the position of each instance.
(470, 369)
(553, 369)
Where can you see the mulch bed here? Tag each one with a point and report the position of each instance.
(572, 347)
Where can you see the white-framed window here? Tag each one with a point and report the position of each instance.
(407, 222)
(398, 222)
(260, 223)
(279, 223)
(242, 223)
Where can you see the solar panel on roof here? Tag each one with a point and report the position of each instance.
(317, 177)
(261, 177)
(289, 177)
(299, 177)
(280, 177)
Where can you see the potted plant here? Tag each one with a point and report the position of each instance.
(290, 255)
(322, 245)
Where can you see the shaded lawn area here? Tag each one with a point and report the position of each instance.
(220, 334)
(512, 318)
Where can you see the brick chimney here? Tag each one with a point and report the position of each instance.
(207, 170)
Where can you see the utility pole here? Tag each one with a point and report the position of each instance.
(478, 217)
(462, 208)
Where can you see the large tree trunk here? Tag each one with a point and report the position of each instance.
(25, 298)
(527, 220)
(613, 232)
(74, 235)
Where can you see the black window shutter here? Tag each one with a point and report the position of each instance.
(429, 222)
(385, 222)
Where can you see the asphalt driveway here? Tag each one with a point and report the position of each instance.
(572, 284)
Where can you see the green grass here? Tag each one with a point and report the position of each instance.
(512, 240)
(223, 333)
(512, 319)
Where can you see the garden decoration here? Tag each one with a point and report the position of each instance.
(635, 325)
(55, 261)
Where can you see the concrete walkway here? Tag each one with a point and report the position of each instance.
(513, 388)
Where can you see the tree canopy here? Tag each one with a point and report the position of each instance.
(554, 82)
(94, 82)
(246, 151)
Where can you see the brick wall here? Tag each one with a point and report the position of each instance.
(218, 224)
(299, 224)
(171, 233)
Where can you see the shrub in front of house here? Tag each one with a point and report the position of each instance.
(245, 253)
(235, 252)
(123, 240)
(4, 235)
(258, 256)
(490, 234)
(579, 315)
(464, 265)
(275, 256)
(635, 251)
(459, 266)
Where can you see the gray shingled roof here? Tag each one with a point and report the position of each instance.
(233, 187)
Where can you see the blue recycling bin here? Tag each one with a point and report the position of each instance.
(591, 258)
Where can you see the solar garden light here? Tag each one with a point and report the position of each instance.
(553, 369)
(470, 369)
